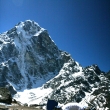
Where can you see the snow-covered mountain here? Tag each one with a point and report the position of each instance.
(32, 64)
(28, 56)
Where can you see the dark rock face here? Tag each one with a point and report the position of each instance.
(5, 96)
(108, 75)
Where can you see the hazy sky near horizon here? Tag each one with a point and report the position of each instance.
(80, 27)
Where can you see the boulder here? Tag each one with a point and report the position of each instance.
(5, 96)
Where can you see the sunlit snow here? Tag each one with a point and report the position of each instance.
(32, 96)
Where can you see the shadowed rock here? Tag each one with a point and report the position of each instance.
(5, 96)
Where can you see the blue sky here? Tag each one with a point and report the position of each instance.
(80, 27)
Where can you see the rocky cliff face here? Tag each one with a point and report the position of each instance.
(28, 55)
(30, 59)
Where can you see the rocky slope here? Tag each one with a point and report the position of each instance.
(82, 85)
(29, 59)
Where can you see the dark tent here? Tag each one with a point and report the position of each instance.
(51, 104)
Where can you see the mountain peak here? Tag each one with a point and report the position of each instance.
(28, 56)
(23, 32)
(28, 26)
(26, 29)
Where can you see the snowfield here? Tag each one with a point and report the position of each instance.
(32, 96)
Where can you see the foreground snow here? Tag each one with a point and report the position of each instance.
(32, 96)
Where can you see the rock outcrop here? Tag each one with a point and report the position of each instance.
(5, 96)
